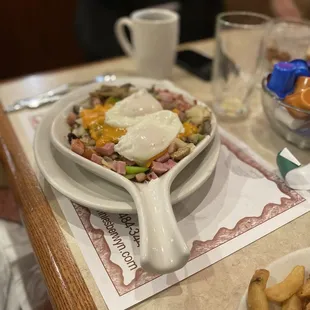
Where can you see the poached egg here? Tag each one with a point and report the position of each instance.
(132, 109)
(151, 136)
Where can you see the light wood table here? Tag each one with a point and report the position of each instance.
(69, 281)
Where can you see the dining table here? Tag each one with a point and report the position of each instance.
(69, 282)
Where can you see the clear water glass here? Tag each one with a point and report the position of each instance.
(238, 57)
(285, 40)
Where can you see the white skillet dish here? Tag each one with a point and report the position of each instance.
(89, 190)
(163, 248)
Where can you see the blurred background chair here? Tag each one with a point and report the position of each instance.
(95, 21)
(38, 36)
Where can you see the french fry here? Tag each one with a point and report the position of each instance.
(288, 287)
(308, 306)
(294, 303)
(304, 292)
(257, 299)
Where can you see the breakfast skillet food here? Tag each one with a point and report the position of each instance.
(138, 133)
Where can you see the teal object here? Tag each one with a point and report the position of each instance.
(285, 165)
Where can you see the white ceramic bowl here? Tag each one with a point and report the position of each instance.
(279, 269)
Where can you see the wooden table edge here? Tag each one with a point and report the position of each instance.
(64, 281)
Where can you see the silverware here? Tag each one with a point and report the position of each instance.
(31, 103)
(55, 94)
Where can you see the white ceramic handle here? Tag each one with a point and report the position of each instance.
(163, 249)
(120, 33)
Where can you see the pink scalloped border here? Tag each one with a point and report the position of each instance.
(269, 211)
(199, 247)
(113, 270)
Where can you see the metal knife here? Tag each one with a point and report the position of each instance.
(55, 94)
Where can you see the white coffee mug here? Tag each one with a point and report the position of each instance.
(155, 37)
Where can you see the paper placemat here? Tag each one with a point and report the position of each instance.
(242, 201)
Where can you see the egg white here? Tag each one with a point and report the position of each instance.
(149, 137)
(132, 109)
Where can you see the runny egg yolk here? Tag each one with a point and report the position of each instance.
(149, 162)
(176, 111)
(90, 115)
(93, 119)
(189, 129)
(103, 133)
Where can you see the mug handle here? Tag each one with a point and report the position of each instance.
(119, 29)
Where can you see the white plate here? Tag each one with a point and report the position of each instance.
(279, 269)
(92, 191)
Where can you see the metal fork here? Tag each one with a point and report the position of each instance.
(55, 94)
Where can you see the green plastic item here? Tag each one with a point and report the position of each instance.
(285, 165)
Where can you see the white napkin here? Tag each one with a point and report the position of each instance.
(21, 283)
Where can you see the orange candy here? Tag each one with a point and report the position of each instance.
(302, 83)
(300, 100)
(305, 99)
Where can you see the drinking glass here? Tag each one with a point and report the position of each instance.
(286, 39)
(238, 56)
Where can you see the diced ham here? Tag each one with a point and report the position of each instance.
(151, 176)
(159, 168)
(77, 146)
(106, 150)
(167, 105)
(119, 166)
(141, 177)
(170, 164)
(182, 105)
(88, 152)
(170, 101)
(163, 158)
(113, 165)
(96, 159)
(165, 96)
(71, 118)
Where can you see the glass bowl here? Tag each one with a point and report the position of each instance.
(295, 131)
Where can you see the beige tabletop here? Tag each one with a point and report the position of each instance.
(221, 285)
